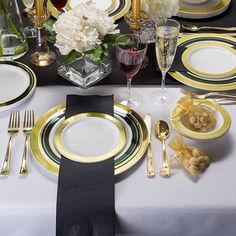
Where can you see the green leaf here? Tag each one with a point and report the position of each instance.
(51, 39)
(72, 56)
(105, 51)
(48, 25)
(95, 54)
(111, 39)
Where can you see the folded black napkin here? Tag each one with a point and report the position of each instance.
(85, 196)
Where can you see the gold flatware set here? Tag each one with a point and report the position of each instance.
(13, 130)
(219, 97)
(194, 28)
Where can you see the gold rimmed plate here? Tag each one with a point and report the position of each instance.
(106, 5)
(17, 84)
(222, 125)
(193, 79)
(43, 135)
(115, 8)
(90, 137)
(210, 60)
(204, 10)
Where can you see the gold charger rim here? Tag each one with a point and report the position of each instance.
(221, 5)
(91, 159)
(44, 161)
(125, 8)
(190, 49)
(110, 8)
(177, 124)
(196, 84)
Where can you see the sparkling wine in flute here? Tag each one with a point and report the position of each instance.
(28, 3)
(167, 34)
(166, 48)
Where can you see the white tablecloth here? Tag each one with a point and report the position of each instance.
(177, 206)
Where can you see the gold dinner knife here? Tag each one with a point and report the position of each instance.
(150, 161)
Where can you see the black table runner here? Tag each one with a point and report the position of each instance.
(85, 197)
(148, 76)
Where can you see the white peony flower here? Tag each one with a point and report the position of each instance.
(82, 28)
(160, 9)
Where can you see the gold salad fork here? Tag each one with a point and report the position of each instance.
(209, 94)
(13, 129)
(27, 128)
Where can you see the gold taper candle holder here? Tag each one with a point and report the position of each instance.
(42, 56)
(135, 23)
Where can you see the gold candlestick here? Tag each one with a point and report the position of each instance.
(42, 56)
(39, 7)
(136, 9)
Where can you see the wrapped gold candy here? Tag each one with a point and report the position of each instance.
(192, 159)
(195, 117)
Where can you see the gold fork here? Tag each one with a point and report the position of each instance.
(13, 129)
(208, 94)
(27, 128)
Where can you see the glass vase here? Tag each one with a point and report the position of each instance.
(13, 44)
(83, 71)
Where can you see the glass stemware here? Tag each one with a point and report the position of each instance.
(59, 5)
(30, 31)
(130, 58)
(167, 34)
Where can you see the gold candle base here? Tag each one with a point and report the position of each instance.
(135, 24)
(42, 56)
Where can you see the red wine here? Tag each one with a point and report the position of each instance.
(59, 4)
(130, 70)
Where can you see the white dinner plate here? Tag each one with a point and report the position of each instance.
(106, 5)
(203, 82)
(204, 10)
(90, 137)
(211, 60)
(17, 84)
(43, 135)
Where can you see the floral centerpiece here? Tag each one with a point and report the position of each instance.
(83, 30)
(82, 36)
(160, 9)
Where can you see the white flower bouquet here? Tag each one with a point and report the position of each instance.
(83, 30)
(160, 9)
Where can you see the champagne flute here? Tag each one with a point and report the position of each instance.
(59, 5)
(167, 34)
(30, 31)
(130, 57)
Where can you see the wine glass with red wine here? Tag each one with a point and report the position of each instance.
(59, 4)
(130, 57)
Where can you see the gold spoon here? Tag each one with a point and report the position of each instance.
(195, 28)
(162, 133)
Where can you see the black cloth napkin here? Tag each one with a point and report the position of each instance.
(85, 195)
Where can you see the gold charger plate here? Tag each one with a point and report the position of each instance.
(45, 153)
(191, 79)
(222, 126)
(208, 9)
(117, 9)
(80, 139)
(218, 52)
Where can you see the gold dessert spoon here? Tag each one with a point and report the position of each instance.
(162, 133)
(195, 28)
